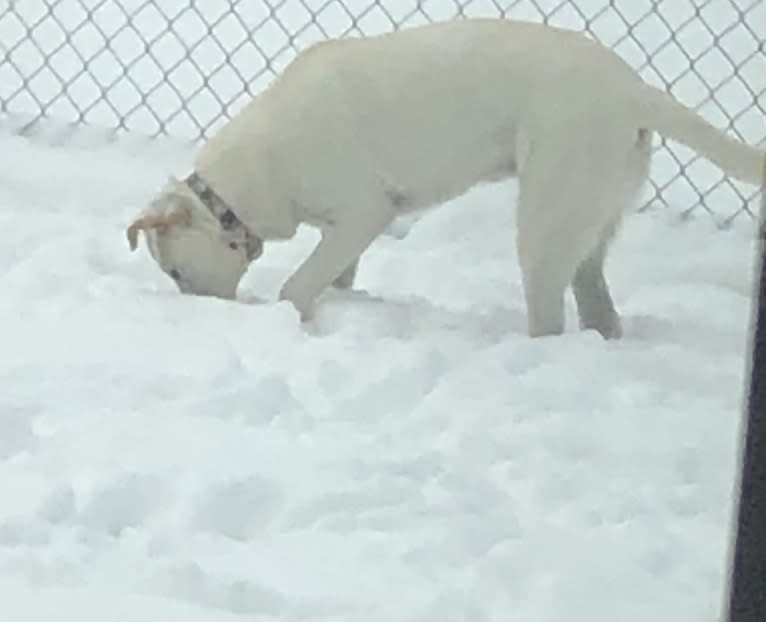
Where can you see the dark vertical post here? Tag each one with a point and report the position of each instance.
(747, 590)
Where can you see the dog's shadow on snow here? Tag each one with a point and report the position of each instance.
(361, 314)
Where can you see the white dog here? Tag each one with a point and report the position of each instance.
(360, 130)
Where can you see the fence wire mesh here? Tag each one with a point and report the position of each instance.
(182, 67)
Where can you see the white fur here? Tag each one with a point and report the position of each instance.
(357, 131)
(198, 257)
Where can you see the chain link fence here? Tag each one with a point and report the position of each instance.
(182, 67)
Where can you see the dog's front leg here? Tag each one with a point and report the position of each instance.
(337, 253)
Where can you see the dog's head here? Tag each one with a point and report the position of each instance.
(190, 245)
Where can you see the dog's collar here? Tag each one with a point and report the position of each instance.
(236, 231)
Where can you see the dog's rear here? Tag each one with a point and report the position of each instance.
(659, 111)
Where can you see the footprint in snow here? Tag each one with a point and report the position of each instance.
(126, 502)
(238, 509)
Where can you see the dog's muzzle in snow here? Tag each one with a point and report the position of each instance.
(238, 234)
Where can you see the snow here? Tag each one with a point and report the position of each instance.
(409, 455)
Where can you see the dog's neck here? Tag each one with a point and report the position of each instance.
(228, 220)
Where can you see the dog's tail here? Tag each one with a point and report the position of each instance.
(657, 110)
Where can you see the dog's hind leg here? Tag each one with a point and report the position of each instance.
(573, 188)
(594, 302)
(563, 209)
(546, 276)
(549, 253)
(346, 279)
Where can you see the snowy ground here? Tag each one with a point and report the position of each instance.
(409, 456)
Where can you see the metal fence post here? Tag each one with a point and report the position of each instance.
(747, 596)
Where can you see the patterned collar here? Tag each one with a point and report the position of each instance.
(237, 233)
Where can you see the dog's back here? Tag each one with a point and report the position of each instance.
(428, 111)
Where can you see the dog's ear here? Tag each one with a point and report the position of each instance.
(158, 220)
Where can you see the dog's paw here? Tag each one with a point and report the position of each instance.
(609, 328)
(252, 299)
(303, 305)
